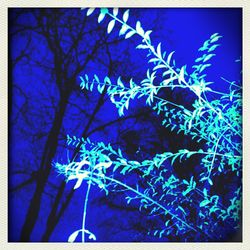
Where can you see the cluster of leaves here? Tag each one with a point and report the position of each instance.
(186, 206)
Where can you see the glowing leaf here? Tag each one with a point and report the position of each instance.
(119, 82)
(142, 46)
(119, 152)
(90, 11)
(73, 236)
(204, 66)
(127, 104)
(212, 48)
(214, 35)
(82, 84)
(129, 34)
(181, 75)
(139, 29)
(215, 39)
(147, 35)
(204, 203)
(181, 208)
(123, 29)
(104, 10)
(169, 57)
(159, 50)
(167, 222)
(115, 11)
(160, 66)
(79, 181)
(210, 181)
(205, 192)
(110, 26)
(96, 78)
(208, 57)
(107, 80)
(92, 236)
(101, 17)
(125, 16)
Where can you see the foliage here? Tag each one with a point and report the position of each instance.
(185, 206)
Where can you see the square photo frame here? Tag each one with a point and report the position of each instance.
(168, 194)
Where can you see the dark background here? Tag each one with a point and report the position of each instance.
(48, 50)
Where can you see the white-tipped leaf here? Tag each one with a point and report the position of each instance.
(125, 16)
(115, 11)
(111, 26)
(73, 236)
(90, 11)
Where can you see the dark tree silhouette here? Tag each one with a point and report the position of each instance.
(67, 50)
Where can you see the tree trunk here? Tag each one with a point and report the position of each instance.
(44, 171)
(52, 218)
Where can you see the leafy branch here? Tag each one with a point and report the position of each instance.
(184, 204)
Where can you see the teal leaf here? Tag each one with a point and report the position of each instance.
(96, 78)
(110, 26)
(181, 75)
(147, 35)
(200, 58)
(92, 236)
(204, 67)
(169, 57)
(125, 16)
(205, 192)
(124, 29)
(119, 82)
(215, 39)
(115, 11)
(184, 193)
(104, 10)
(144, 201)
(208, 57)
(82, 84)
(79, 182)
(160, 66)
(181, 208)
(120, 153)
(73, 236)
(129, 34)
(90, 11)
(210, 181)
(101, 17)
(215, 199)
(214, 35)
(107, 80)
(159, 50)
(167, 222)
(204, 203)
(212, 48)
(139, 29)
(142, 46)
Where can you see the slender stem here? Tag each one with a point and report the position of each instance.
(218, 154)
(232, 83)
(214, 153)
(205, 153)
(85, 211)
